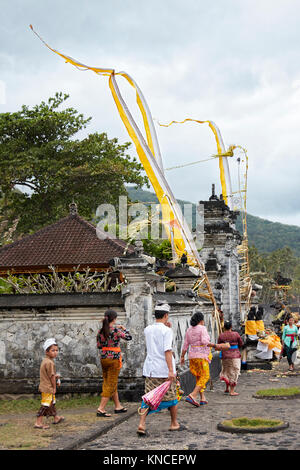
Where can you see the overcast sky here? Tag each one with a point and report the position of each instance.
(235, 62)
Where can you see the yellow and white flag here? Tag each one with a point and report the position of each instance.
(223, 158)
(149, 153)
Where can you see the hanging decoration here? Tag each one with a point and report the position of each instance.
(176, 227)
(222, 154)
(235, 201)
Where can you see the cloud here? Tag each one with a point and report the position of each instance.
(236, 63)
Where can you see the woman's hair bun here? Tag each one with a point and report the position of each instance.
(196, 318)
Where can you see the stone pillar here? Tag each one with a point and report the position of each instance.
(141, 284)
(219, 254)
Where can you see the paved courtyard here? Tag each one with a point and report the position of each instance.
(201, 431)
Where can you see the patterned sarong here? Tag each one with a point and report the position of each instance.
(151, 383)
(200, 369)
(169, 399)
(47, 405)
(110, 372)
(230, 371)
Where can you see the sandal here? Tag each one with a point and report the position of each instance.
(59, 421)
(142, 432)
(103, 414)
(122, 410)
(180, 428)
(204, 402)
(191, 400)
(43, 426)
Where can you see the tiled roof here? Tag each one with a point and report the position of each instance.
(70, 242)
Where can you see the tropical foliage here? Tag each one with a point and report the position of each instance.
(41, 156)
(55, 282)
(265, 266)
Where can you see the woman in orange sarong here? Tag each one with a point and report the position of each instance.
(197, 340)
(108, 342)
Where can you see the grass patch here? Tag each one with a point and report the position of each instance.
(33, 404)
(278, 392)
(19, 433)
(257, 423)
(17, 418)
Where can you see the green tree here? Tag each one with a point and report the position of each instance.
(264, 266)
(39, 152)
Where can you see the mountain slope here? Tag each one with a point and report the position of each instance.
(267, 236)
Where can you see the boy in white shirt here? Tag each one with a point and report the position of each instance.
(159, 366)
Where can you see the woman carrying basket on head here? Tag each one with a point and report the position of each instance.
(108, 342)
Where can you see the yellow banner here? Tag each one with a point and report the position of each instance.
(149, 154)
(223, 164)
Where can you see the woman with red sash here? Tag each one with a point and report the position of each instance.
(289, 342)
(108, 343)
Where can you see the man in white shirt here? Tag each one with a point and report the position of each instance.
(159, 366)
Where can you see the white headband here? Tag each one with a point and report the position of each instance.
(163, 308)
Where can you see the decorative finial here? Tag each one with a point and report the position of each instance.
(138, 248)
(213, 196)
(73, 208)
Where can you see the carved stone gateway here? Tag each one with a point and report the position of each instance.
(219, 254)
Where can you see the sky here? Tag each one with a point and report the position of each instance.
(235, 62)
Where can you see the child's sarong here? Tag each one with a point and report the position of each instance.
(47, 405)
(200, 369)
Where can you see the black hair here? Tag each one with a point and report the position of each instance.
(48, 349)
(196, 318)
(259, 313)
(252, 313)
(227, 325)
(109, 316)
(159, 314)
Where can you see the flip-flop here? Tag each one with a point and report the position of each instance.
(204, 402)
(59, 421)
(191, 400)
(41, 427)
(122, 410)
(181, 428)
(103, 415)
(142, 432)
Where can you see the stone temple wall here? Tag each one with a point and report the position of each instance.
(74, 319)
